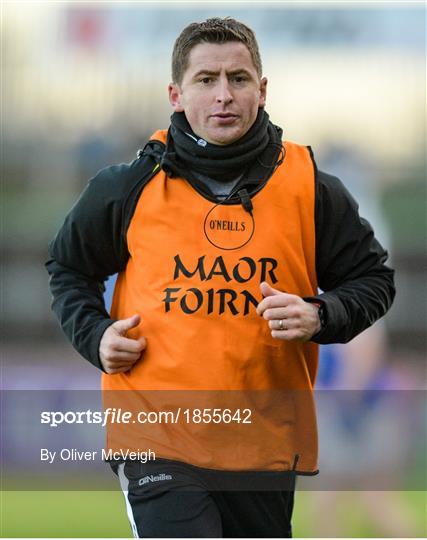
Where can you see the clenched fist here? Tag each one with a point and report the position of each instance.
(289, 316)
(117, 352)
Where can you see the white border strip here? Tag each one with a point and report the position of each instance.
(124, 484)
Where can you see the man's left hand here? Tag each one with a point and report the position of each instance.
(289, 316)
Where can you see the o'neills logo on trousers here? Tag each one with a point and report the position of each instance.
(152, 478)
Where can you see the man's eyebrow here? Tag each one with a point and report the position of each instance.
(205, 72)
(239, 71)
(208, 72)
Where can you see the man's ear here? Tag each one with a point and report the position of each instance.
(263, 92)
(175, 97)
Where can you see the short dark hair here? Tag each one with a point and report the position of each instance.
(215, 30)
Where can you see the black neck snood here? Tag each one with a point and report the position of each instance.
(186, 150)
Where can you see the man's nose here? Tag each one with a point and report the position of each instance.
(224, 94)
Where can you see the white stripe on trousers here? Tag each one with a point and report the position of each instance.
(124, 484)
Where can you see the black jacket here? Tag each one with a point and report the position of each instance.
(91, 245)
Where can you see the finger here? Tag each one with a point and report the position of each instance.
(110, 368)
(124, 344)
(119, 365)
(113, 361)
(118, 370)
(287, 324)
(115, 357)
(281, 300)
(126, 365)
(276, 313)
(289, 335)
(281, 334)
(267, 290)
(124, 325)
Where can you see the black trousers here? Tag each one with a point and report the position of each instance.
(169, 499)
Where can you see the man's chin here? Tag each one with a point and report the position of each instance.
(224, 136)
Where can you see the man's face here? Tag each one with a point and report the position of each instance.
(220, 92)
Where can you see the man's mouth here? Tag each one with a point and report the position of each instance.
(224, 118)
(225, 115)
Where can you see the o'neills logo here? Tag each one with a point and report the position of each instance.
(217, 224)
(228, 227)
(151, 478)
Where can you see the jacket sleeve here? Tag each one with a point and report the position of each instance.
(358, 288)
(89, 247)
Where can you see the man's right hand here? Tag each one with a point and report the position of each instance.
(118, 353)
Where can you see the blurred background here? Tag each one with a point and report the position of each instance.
(85, 84)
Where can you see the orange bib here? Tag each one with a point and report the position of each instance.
(193, 275)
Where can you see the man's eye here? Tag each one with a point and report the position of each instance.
(239, 79)
(206, 80)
